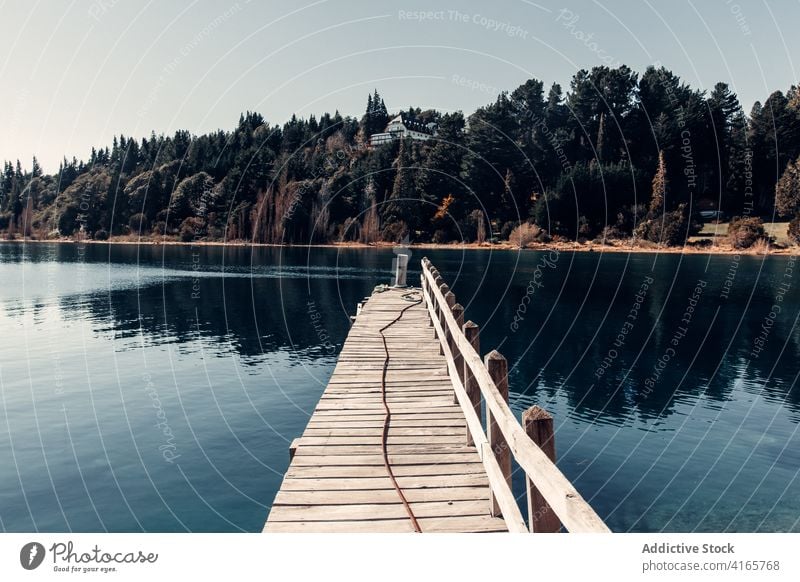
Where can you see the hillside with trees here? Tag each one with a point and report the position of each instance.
(618, 155)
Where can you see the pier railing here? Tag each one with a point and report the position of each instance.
(552, 499)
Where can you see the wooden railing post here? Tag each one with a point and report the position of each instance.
(401, 269)
(438, 281)
(472, 333)
(497, 367)
(538, 425)
(425, 286)
(458, 360)
(442, 320)
(450, 302)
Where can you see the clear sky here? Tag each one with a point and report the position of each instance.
(73, 74)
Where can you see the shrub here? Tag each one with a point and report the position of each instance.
(760, 247)
(395, 231)
(187, 233)
(139, 223)
(794, 230)
(669, 229)
(441, 236)
(630, 217)
(160, 228)
(191, 228)
(506, 228)
(608, 234)
(101, 235)
(744, 232)
(118, 229)
(584, 229)
(524, 234)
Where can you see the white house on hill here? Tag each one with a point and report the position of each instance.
(399, 128)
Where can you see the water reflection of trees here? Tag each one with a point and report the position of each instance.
(237, 302)
(573, 338)
(248, 316)
(256, 311)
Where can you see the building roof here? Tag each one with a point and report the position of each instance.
(411, 125)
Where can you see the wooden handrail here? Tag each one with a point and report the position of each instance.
(572, 510)
(503, 494)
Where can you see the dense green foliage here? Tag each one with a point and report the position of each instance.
(745, 232)
(618, 155)
(794, 230)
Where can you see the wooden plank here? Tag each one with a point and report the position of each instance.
(446, 426)
(396, 384)
(452, 440)
(467, 524)
(358, 512)
(298, 471)
(377, 460)
(397, 431)
(376, 449)
(293, 448)
(333, 404)
(379, 496)
(383, 482)
(416, 413)
(367, 397)
(373, 420)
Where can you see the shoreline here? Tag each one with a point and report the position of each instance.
(588, 247)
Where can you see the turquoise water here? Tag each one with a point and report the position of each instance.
(158, 388)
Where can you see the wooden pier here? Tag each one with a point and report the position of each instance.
(397, 442)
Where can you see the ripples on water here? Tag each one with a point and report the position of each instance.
(105, 346)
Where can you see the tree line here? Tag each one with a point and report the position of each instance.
(617, 155)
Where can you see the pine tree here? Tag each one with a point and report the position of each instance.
(381, 113)
(787, 190)
(400, 206)
(508, 208)
(6, 186)
(16, 191)
(601, 141)
(659, 187)
(376, 115)
(36, 169)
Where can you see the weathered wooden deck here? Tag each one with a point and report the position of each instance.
(428, 465)
(337, 480)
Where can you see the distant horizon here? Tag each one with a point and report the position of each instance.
(75, 76)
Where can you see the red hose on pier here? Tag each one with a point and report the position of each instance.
(388, 417)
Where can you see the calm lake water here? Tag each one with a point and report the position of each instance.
(158, 388)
